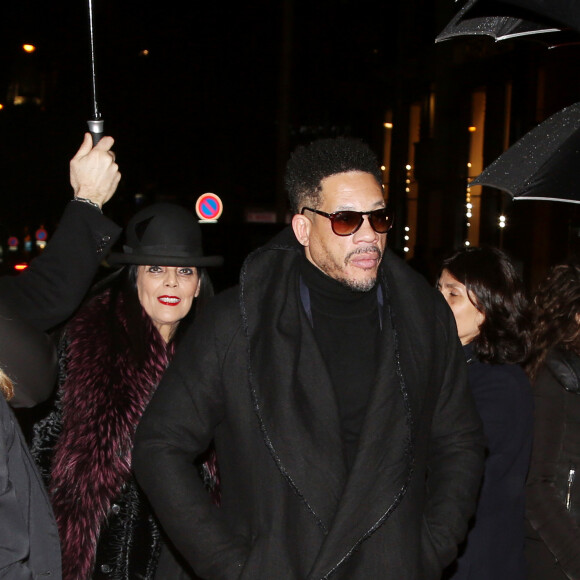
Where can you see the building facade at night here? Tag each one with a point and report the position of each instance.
(456, 106)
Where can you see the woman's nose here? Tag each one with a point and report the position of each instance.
(171, 280)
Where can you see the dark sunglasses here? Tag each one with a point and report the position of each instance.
(347, 222)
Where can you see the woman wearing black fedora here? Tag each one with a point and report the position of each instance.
(113, 354)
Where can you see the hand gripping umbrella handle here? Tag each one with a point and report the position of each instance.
(96, 129)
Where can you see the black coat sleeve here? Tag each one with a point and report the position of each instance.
(456, 459)
(175, 429)
(50, 290)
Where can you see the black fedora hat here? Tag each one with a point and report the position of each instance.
(164, 234)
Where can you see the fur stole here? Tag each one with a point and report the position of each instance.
(102, 398)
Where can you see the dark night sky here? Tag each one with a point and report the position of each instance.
(200, 113)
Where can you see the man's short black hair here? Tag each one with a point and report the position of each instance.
(310, 164)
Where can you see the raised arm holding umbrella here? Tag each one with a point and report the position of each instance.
(43, 296)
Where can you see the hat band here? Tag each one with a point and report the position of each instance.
(162, 250)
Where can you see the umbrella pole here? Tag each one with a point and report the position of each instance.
(95, 123)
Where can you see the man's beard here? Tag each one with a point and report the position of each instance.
(361, 285)
(358, 285)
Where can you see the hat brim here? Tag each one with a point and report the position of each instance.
(151, 260)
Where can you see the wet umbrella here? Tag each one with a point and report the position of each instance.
(566, 12)
(95, 123)
(543, 164)
(515, 18)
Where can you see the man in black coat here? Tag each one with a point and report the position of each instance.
(40, 298)
(334, 386)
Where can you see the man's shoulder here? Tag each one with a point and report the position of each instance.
(406, 282)
(509, 379)
(227, 299)
(415, 303)
(223, 308)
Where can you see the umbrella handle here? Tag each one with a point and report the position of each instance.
(96, 128)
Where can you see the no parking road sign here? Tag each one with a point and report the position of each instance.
(41, 234)
(209, 207)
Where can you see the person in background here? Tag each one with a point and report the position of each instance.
(553, 496)
(29, 545)
(335, 387)
(44, 296)
(488, 301)
(113, 354)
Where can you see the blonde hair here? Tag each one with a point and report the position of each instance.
(6, 386)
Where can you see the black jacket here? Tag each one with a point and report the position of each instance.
(28, 534)
(251, 375)
(553, 488)
(29, 544)
(495, 544)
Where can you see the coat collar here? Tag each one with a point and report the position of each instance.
(102, 387)
(297, 410)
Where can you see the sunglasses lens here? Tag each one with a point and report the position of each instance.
(345, 223)
(381, 221)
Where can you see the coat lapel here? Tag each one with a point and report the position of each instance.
(290, 386)
(381, 472)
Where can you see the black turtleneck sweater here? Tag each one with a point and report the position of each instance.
(347, 330)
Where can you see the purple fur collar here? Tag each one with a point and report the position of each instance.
(103, 397)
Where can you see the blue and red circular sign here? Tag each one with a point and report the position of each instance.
(209, 207)
(13, 242)
(41, 234)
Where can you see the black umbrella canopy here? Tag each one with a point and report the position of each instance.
(566, 12)
(515, 18)
(544, 164)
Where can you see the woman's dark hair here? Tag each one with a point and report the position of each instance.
(496, 290)
(122, 286)
(555, 314)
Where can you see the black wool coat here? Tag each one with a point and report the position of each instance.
(251, 376)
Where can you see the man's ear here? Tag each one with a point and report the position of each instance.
(301, 226)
